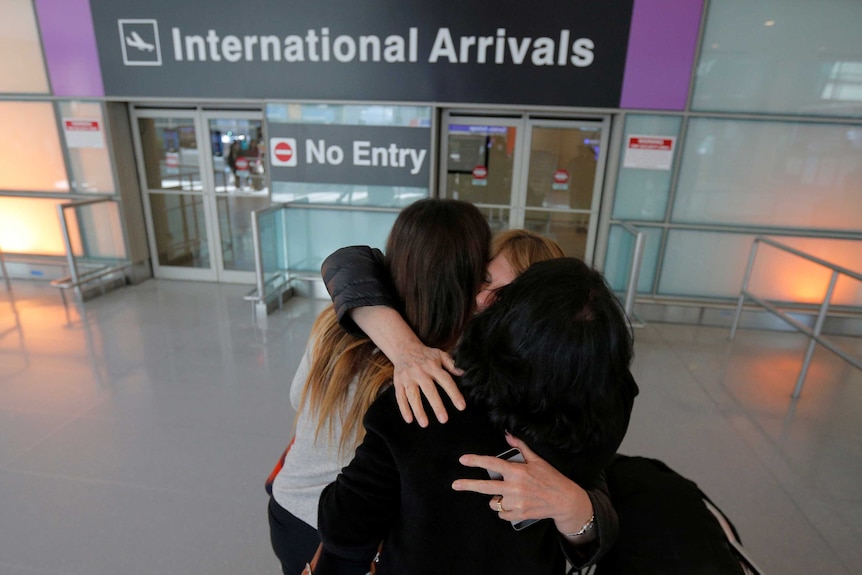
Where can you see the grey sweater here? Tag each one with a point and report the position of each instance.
(312, 463)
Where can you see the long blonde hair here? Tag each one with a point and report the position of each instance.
(337, 359)
(435, 256)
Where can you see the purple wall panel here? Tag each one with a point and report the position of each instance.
(662, 44)
(70, 47)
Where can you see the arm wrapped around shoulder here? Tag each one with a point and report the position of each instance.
(355, 276)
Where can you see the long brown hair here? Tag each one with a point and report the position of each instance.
(435, 256)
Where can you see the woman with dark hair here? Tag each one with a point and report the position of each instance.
(435, 257)
(548, 362)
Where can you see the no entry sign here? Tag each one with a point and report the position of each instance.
(283, 151)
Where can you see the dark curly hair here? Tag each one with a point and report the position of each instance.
(549, 361)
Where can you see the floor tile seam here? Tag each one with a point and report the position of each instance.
(27, 569)
(198, 494)
(85, 415)
(208, 430)
(68, 423)
(790, 488)
(708, 391)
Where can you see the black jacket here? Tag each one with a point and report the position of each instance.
(398, 490)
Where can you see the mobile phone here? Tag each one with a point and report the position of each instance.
(515, 456)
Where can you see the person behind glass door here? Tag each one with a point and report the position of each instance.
(435, 256)
(233, 154)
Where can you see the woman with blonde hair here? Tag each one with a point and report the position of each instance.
(512, 252)
(435, 260)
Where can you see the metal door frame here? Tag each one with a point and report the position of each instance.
(200, 118)
(603, 125)
(524, 124)
(159, 270)
(517, 122)
(223, 275)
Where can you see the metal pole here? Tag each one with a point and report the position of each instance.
(258, 258)
(5, 273)
(70, 257)
(812, 343)
(744, 288)
(637, 259)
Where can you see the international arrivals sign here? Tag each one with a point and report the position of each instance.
(548, 52)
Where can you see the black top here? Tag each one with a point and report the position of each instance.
(398, 489)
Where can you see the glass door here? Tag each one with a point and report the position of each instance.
(237, 185)
(169, 157)
(203, 174)
(539, 174)
(481, 166)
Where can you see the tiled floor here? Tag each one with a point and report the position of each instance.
(135, 438)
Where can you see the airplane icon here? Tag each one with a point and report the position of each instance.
(135, 41)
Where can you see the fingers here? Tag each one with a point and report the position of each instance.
(484, 486)
(528, 453)
(496, 503)
(414, 401)
(486, 462)
(403, 404)
(429, 389)
(449, 364)
(449, 386)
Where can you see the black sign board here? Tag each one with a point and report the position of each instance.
(548, 52)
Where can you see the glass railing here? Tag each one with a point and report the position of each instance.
(289, 244)
(272, 273)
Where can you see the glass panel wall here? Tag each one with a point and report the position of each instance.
(31, 157)
(30, 226)
(775, 56)
(771, 145)
(775, 174)
(777, 275)
(643, 186)
(22, 67)
(89, 160)
(621, 245)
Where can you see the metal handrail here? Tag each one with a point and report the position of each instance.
(5, 272)
(813, 334)
(76, 279)
(634, 272)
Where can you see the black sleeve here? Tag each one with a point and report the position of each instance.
(607, 529)
(357, 510)
(355, 276)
